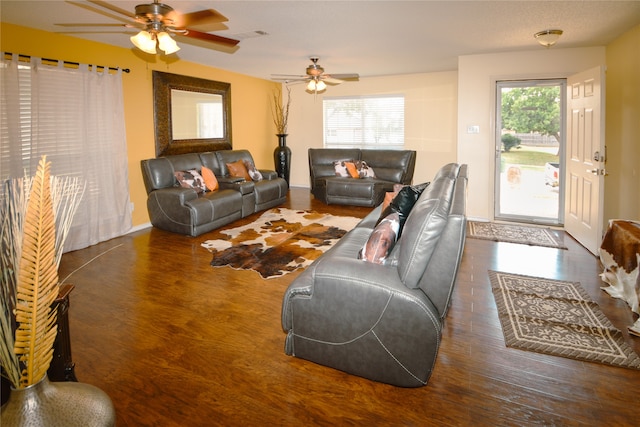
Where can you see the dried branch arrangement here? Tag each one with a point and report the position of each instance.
(280, 111)
(36, 215)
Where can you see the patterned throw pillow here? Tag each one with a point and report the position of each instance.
(364, 170)
(340, 166)
(237, 169)
(253, 172)
(210, 180)
(191, 179)
(381, 240)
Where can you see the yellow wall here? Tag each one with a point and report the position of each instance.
(250, 97)
(622, 184)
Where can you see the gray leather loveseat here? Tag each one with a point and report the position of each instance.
(383, 321)
(187, 211)
(389, 166)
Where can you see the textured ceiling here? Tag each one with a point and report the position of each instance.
(372, 38)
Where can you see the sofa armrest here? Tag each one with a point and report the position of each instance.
(268, 174)
(175, 196)
(337, 282)
(169, 208)
(238, 184)
(360, 319)
(229, 180)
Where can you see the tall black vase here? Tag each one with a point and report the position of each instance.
(282, 157)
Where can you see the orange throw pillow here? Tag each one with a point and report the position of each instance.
(210, 180)
(352, 169)
(238, 170)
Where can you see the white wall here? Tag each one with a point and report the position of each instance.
(430, 119)
(477, 75)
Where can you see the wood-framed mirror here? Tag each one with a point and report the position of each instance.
(191, 114)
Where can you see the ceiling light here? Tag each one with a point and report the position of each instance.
(316, 85)
(155, 36)
(167, 44)
(311, 87)
(144, 41)
(548, 38)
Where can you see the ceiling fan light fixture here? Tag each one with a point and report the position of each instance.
(167, 44)
(311, 87)
(316, 85)
(548, 38)
(144, 41)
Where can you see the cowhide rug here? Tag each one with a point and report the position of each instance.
(280, 241)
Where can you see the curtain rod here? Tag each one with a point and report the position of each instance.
(124, 70)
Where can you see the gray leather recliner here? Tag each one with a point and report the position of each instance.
(383, 321)
(390, 167)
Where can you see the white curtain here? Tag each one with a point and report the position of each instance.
(76, 118)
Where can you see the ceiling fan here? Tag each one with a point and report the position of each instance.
(316, 77)
(158, 22)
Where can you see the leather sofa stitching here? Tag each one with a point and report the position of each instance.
(155, 196)
(397, 361)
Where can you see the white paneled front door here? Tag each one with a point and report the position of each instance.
(585, 157)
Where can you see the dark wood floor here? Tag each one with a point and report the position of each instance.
(175, 342)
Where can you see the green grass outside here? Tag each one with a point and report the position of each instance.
(527, 156)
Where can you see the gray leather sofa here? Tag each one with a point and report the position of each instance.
(383, 321)
(390, 167)
(183, 210)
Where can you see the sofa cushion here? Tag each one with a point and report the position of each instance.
(191, 179)
(391, 165)
(381, 240)
(210, 179)
(403, 202)
(237, 169)
(252, 171)
(422, 230)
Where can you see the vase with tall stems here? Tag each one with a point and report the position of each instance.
(36, 215)
(282, 153)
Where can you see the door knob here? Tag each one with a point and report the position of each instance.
(597, 171)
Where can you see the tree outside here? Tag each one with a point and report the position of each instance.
(532, 109)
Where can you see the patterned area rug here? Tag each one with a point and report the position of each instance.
(279, 242)
(535, 236)
(557, 318)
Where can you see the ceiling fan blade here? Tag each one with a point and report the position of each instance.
(207, 16)
(209, 37)
(96, 25)
(113, 8)
(289, 79)
(290, 76)
(351, 76)
(331, 80)
(96, 32)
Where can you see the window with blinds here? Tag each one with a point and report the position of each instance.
(14, 158)
(371, 122)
